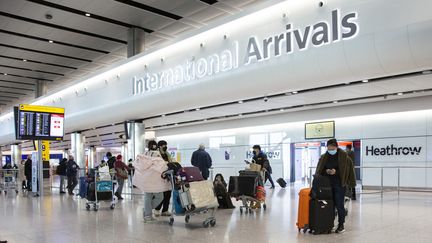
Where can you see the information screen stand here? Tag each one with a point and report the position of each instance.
(37, 171)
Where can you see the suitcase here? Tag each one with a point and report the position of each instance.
(303, 210)
(321, 216)
(83, 187)
(201, 195)
(321, 188)
(249, 173)
(281, 182)
(190, 174)
(243, 186)
(178, 208)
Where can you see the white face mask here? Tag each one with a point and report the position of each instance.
(332, 152)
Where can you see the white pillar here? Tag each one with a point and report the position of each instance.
(136, 141)
(16, 154)
(78, 149)
(92, 157)
(124, 152)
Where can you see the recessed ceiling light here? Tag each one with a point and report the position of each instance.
(347, 83)
(5, 74)
(365, 81)
(163, 115)
(295, 92)
(24, 60)
(197, 109)
(176, 124)
(87, 14)
(51, 41)
(400, 93)
(335, 102)
(282, 109)
(205, 120)
(240, 102)
(240, 115)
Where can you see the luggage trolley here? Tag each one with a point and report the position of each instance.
(100, 190)
(184, 197)
(9, 181)
(243, 188)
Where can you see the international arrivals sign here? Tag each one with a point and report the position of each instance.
(338, 27)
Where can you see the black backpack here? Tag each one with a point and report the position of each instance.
(321, 188)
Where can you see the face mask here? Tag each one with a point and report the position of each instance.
(254, 152)
(332, 152)
(164, 149)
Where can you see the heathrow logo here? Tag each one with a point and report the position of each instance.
(392, 150)
(257, 50)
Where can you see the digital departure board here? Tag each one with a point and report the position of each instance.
(39, 122)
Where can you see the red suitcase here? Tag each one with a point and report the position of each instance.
(190, 174)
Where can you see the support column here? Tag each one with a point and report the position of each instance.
(78, 148)
(16, 154)
(1, 157)
(124, 152)
(136, 141)
(135, 39)
(92, 157)
(41, 88)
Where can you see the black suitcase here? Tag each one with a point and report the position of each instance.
(281, 182)
(321, 188)
(249, 173)
(242, 186)
(321, 216)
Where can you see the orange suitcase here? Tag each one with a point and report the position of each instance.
(303, 210)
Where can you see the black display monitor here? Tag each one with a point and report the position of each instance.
(39, 122)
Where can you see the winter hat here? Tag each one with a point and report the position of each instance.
(333, 142)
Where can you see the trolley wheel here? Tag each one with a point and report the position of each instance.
(88, 207)
(96, 208)
(264, 206)
(112, 206)
(213, 223)
(206, 224)
(304, 230)
(187, 218)
(171, 221)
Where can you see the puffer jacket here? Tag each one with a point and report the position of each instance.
(148, 171)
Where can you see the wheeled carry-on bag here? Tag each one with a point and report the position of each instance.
(233, 186)
(321, 216)
(201, 195)
(321, 188)
(247, 185)
(303, 210)
(83, 187)
(281, 182)
(190, 174)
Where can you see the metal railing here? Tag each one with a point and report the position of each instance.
(382, 187)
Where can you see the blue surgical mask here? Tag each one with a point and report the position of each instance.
(332, 152)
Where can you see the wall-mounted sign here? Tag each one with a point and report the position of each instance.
(320, 130)
(394, 149)
(253, 49)
(276, 154)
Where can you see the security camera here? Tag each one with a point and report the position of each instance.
(320, 4)
(48, 16)
(265, 99)
(121, 136)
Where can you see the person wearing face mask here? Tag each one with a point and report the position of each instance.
(261, 158)
(339, 168)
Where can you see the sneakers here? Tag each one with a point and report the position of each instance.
(156, 213)
(166, 214)
(340, 229)
(62, 192)
(149, 219)
(119, 197)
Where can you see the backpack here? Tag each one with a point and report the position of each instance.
(321, 188)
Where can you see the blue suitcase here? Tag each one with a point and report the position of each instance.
(179, 210)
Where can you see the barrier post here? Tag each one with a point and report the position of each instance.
(398, 186)
(382, 181)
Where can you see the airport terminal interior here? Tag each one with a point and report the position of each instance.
(215, 121)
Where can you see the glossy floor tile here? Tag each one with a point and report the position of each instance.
(62, 218)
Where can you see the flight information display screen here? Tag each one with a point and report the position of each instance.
(39, 122)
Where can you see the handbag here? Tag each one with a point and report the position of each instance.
(255, 167)
(122, 173)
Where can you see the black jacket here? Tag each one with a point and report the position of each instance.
(203, 161)
(262, 160)
(62, 168)
(111, 162)
(28, 169)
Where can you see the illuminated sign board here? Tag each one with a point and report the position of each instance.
(319, 130)
(322, 33)
(39, 122)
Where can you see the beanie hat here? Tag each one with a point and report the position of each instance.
(333, 142)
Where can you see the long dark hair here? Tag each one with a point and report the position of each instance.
(221, 176)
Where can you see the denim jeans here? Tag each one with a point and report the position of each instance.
(339, 202)
(120, 182)
(151, 201)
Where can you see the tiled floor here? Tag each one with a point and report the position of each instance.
(63, 219)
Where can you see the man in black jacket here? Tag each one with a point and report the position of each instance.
(28, 172)
(202, 160)
(72, 171)
(261, 158)
(61, 171)
(110, 160)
